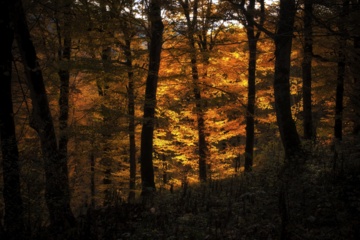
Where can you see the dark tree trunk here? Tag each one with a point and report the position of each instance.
(103, 87)
(92, 177)
(199, 105)
(203, 150)
(306, 72)
(283, 43)
(64, 55)
(147, 133)
(339, 95)
(250, 108)
(355, 95)
(131, 112)
(57, 192)
(355, 98)
(14, 215)
(341, 67)
(106, 160)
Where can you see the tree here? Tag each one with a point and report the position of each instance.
(306, 70)
(355, 34)
(147, 133)
(250, 14)
(199, 102)
(56, 172)
(283, 44)
(341, 69)
(64, 55)
(127, 29)
(14, 215)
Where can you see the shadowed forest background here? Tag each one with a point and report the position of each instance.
(180, 119)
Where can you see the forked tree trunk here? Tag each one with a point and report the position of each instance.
(57, 193)
(14, 214)
(147, 133)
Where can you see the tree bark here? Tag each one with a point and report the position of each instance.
(14, 213)
(199, 105)
(355, 98)
(306, 71)
(57, 192)
(103, 88)
(341, 67)
(64, 55)
(131, 112)
(250, 108)
(283, 44)
(147, 133)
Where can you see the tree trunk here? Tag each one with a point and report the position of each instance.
(339, 94)
(355, 98)
(355, 94)
(106, 159)
(199, 105)
(250, 108)
(64, 55)
(57, 192)
(131, 112)
(14, 215)
(341, 67)
(147, 133)
(306, 72)
(283, 43)
(203, 150)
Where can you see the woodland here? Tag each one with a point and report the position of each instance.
(180, 119)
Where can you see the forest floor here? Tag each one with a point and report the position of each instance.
(318, 204)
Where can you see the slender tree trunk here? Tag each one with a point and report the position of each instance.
(283, 44)
(14, 213)
(355, 98)
(57, 192)
(203, 150)
(199, 105)
(103, 87)
(92, 177)
(64, 55)
(341, 67)
(356, 90)
(106, 160)
(131, 112)
(339, 95)
(147, 133)
(306, 72)
(250, 109)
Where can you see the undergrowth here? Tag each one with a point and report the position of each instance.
(321, 204)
